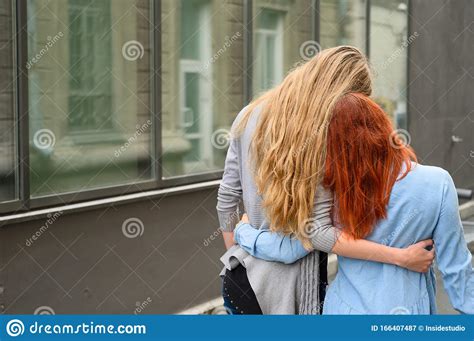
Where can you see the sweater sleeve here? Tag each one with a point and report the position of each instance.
(452, 255)
(320, 227)
(229, 194)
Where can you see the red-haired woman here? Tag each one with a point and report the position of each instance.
(381, 194)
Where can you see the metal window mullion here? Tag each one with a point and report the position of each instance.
(316, 21)
(409, 28)
(157, 95)
(248, 50)
(367, 28)
(22, 103)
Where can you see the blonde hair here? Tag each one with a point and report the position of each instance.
(288, 149)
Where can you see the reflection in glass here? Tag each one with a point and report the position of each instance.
(343, 22)
(8, 173)
(388, 55)
(202, 82)
(281, 27)
(268, 69)
(89, 94)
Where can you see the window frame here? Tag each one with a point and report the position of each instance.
(25, 203)
(366, 26)
(248, 55)
(14, 204)
(264, 34)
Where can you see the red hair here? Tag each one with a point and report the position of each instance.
(364, 160)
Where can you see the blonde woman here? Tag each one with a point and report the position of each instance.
(274, 166)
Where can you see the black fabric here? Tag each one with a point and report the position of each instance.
(323, 277)
(238, 295)
(240, 299)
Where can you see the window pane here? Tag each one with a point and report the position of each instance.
(342, 22)
(202, 82)
(89, 94)
(8, 174)
(281, 28)
(388, 55)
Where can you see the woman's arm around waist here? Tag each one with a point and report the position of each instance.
(325, 237)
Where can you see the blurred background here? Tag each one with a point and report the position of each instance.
(115, 119)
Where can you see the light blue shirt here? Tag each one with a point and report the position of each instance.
(422, 205)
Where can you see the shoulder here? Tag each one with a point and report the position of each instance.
(245, 132)
(255, 112)
(430, 173)
(429, 179)
(241, 113)
(426, 186)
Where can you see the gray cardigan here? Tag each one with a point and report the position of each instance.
(279, 288)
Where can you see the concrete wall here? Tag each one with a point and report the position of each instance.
(84, 263)
(441, 78)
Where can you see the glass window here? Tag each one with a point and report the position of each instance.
(388, 55)
(202, 82)
(343, 22)
(269, 49)
(281, 29)
(8, 169)
(90, 106)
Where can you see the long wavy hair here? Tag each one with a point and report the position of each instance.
(364, 160)
(288, 149)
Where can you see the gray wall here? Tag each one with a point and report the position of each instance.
(83, 263)
(441, 91)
